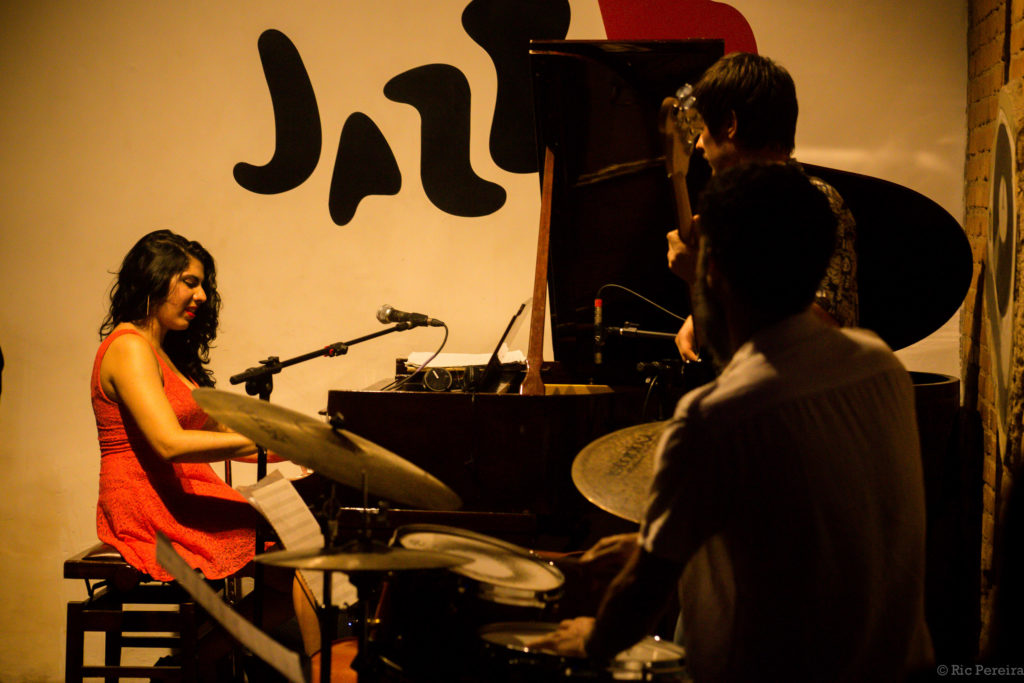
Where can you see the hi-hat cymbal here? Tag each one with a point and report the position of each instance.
(360, 556)
(615, 471)
(337, 454)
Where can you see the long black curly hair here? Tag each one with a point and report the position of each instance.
(143, 283)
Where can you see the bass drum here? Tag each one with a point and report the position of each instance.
(432, 618)
(507, 658)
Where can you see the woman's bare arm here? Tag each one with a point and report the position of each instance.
(130, 374)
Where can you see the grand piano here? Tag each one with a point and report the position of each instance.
(596, 105)
(607, 206)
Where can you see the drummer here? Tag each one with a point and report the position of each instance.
(788, 501)
(156, 443)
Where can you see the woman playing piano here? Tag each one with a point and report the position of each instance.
(156, 443)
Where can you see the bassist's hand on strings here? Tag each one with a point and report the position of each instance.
(682, 255)
(680, 125)
(686, 341)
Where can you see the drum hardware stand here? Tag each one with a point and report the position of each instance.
(664, 380)
(259, 381)
(673, 377)
(350, 460)
(366, 583)
(659, 376)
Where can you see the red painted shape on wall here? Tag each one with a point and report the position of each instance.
(677, 20)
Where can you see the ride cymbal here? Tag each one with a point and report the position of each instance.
(337, 454)
(357, 556)
(615, 471)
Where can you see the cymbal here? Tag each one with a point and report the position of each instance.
(615, 471)
(339, 455)
(359, 556)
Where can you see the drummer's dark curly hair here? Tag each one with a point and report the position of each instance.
(143, 283)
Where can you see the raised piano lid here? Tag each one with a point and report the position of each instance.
(596, 107)
(914, 263)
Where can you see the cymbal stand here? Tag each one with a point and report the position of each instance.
(365, 583)
(328, 615)
(259, 381)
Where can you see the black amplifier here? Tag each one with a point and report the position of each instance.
(469, 378)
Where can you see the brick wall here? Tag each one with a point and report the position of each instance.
(996, 63)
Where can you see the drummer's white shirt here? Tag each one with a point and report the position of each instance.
(792, 488)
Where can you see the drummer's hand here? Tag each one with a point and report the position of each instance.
(568, 640)
(612, 550)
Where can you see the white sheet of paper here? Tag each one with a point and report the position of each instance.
(461, 360)
(277, 499)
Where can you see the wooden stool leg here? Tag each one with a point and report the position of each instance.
(74, 644)
(112, 650)
(189, 635)
(156, 611)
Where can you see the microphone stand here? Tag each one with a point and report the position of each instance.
(656, 373)
(630, 330)
(259, 381)
(694, 373)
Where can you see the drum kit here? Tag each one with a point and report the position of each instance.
(449, 604)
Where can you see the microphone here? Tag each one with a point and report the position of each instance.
(598, 330)
(386, 314)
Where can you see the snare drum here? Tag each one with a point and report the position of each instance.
(435, 615)
(507, 658)
(497, 572)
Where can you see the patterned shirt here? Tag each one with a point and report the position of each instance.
(837, 293)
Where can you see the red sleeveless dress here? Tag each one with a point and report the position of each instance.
(210, 524)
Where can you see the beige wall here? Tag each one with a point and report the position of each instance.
(122, 117)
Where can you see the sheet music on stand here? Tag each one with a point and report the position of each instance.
(280, 503)
(286, 661)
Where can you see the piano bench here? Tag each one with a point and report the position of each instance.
(132, 610)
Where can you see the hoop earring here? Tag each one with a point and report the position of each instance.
(147, 307)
